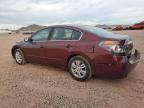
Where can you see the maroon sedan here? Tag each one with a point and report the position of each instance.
(84, 50)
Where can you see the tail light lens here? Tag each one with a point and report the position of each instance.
(112, 46)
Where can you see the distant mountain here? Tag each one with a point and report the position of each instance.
(33, 27)
(104, 26)
(111, 26)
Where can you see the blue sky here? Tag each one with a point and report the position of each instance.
(25, 12)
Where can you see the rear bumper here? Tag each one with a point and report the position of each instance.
(120, 68)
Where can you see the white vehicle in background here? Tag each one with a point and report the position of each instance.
(5, 31)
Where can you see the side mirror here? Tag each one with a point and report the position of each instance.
(28, 39)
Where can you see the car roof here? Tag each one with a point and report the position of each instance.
(69, 26)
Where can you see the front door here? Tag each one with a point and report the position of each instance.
(34, 49)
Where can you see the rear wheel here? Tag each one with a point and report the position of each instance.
(79, 68)
(19, 57)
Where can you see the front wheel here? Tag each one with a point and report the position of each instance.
(79, 68)
(19, 57)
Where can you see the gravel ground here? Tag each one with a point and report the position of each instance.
(38, 86)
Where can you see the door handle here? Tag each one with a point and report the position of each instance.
(69, 46)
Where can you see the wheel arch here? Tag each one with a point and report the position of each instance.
(77, 54)
(13, 49)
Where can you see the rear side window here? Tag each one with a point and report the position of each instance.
(76, 35)
(61, 34)
(65, 34)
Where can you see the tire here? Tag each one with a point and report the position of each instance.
(79, 68)
(19, 57)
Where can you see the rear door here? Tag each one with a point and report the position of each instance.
(61, 43)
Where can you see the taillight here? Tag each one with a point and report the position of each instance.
(112, 46)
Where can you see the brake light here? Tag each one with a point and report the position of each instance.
(112, 46)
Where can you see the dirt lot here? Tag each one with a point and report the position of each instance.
(37, 86)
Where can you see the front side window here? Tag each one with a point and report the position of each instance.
(41, 35)
(65, 34)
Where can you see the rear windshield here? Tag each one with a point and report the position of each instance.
(98, 31)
